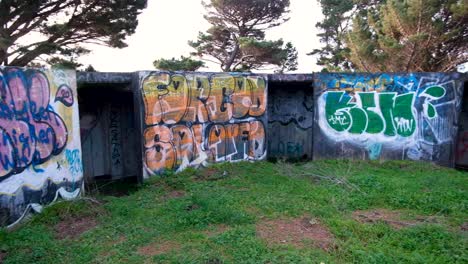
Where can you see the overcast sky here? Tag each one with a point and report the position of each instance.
(165, 26)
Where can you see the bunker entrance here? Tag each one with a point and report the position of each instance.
(109, 136)
(290, 120)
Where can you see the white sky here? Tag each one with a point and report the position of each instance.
(165, 26)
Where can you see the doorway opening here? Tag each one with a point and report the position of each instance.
(290, 120)
(109, 135)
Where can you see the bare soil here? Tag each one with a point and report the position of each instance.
(73, 227)
(211, 174)
(392, 218)
(173, 194)
(296, 232)
(3, 255)
(158, 248)
(464, 227)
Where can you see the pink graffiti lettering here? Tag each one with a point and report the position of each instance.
(64, 95)
(30, 131)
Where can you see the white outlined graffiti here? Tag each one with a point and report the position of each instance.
(196, 119)
(411, 114)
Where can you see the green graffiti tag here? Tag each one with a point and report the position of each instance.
(376, 113)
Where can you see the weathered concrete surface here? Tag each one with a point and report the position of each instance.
(40, 150)
(193, 119)
(290, 120)
(387, 116)
(103, 77)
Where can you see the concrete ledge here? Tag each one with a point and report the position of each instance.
(103, 77)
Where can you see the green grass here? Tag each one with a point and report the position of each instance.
(238, 196)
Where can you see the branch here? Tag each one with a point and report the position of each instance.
(413, 49)
(27, 20)
(217, 62)
(242, 59)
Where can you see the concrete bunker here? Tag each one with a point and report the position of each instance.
(300, 120)
(138, 125)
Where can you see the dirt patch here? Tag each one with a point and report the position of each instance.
(73, 227)
(212, 174)
(209, 172)
(216, 230)
(392, 218)
(464, 227)
(173, 194)
(206, 174)
(192, 207)
(3, 255)
(158, 248)
(296, 232)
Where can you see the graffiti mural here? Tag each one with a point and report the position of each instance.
(39, 138)
(196, 119)
(377, 113)
(409, 116)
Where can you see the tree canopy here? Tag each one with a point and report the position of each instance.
(332, 56)
(394, 35)
(182, 64)
(30, 29)
(236, 40)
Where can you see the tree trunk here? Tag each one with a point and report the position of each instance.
(228, 65)
(26, 58)
(3, 57)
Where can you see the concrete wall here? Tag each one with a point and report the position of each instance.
(462, 144)
(194, 119)
(387, 116)
(180, 120)
(40, 150)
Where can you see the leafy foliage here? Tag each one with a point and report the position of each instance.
(33, 28)
(394, 35)
(56, 62)
(289, 59)
(236, 40)
(182, 64)
(411, 35)
(333, 26)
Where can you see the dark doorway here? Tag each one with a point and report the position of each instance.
(109, 136)
(290, 120)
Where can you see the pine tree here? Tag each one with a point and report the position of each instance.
(62, 26)
(337, 16)
(411, 35)
(182, 64)
(236, 40)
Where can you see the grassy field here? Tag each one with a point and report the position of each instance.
(316, 212)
